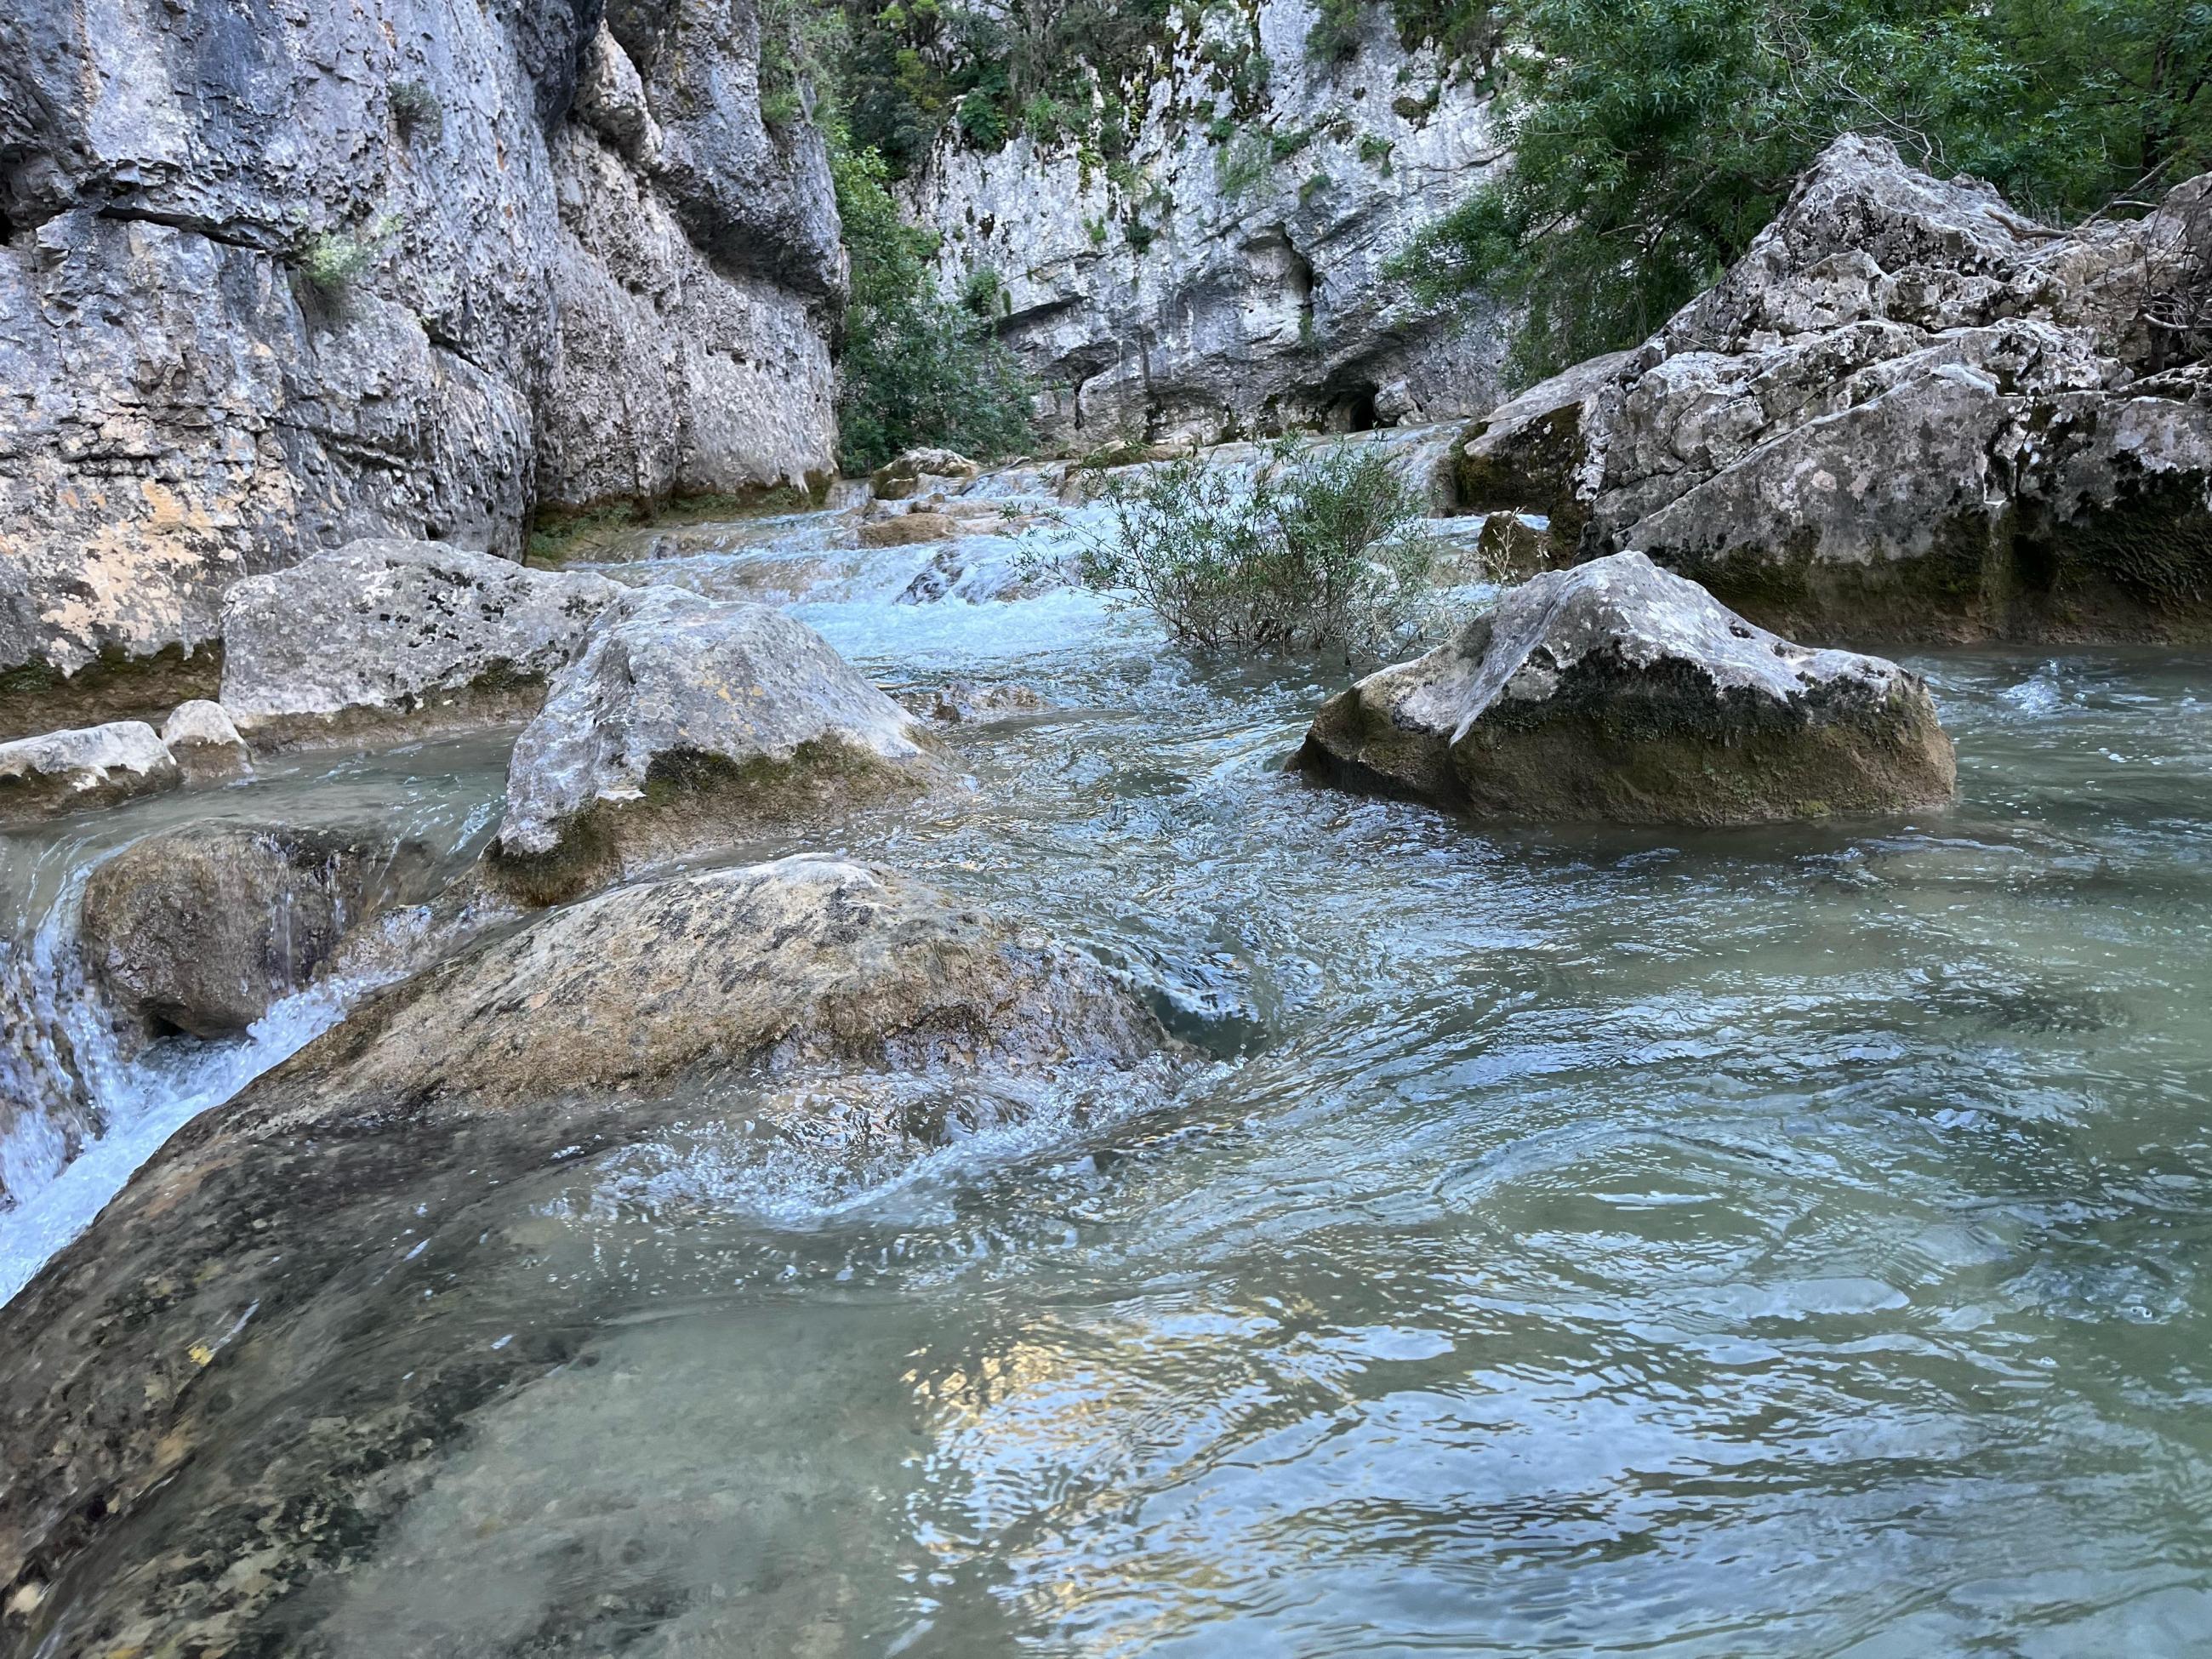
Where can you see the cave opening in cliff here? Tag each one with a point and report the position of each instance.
(1353, 410)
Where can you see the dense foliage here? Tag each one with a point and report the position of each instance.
(1316, 551)
(1653, 138)
(916, 367)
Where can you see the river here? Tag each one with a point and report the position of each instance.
(1780, 1242)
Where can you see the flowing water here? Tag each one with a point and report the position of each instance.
(1786, 1242)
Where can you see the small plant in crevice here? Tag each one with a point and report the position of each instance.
(415, 109)
(335, 261)
(1316, 551)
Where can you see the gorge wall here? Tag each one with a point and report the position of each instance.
(1226, 278)
(272, 278)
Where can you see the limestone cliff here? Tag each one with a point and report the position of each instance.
(276, 277)
(1225, 277)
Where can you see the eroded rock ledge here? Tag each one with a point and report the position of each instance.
(1908, 412)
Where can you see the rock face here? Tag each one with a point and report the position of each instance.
(379, 631)
(92, 766)
(1907, 412)
(158, 1360)
(273, 279)
(1617, 691)
(200, 929)
(204, 740)
(683, 723)
(1228, 280)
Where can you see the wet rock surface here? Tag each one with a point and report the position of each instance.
(917, 471)
(382, 634)
(157, 1361)
(1617, 691)
(683, 722)
(275, 279)
(974, 702)
(204, 740)
(89, 766)
(1908, 412)
(198, 930)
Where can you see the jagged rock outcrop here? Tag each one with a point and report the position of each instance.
(199, 929)
(1228, 279)
(273, 279)
(684, 723)
(1909, 412)
(158, 1360)
(1617, 691)
(87, 765)
(379, 633)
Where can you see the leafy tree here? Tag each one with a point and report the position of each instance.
(1652, 139)
(916, 367)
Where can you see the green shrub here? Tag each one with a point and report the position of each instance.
(1375, 151)
(334, 260)
(1651, 140)
(915, 368)
(415, 108)
(1318, 552)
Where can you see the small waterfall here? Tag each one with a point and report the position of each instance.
(76, 1116)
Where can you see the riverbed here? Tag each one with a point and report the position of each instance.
(1778, 1241)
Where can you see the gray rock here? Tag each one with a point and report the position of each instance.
(1907, 412)
(1616, 690)
(914, 472)
(205, 741)
(1259, 301)
(163, 1353)
(387, 635)
(909, 529)
(91, 766)
(1522, 456)
(198, 930)
(555, 271)
(684, 723)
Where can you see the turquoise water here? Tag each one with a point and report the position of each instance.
(1782, 1243)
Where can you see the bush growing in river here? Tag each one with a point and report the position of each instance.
(1320, 550)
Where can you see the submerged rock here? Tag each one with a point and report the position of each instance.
(393, 634)
(1616, 690)
(205, 742)
(244, 1335)
(958, 702)
(91, 766)
(198, 930)
(685, 723)
(909, 529)
(1907, 411)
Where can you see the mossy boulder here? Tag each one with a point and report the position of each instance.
(398, 637)
(255, 1333)
(684, 723)
(1618, 691)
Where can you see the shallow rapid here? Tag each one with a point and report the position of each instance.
(1780, 1242)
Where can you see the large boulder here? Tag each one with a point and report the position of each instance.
(275, 278)
(285, 1320)
(199, 929)
(386, 635)
(91, 766)
(1908, 412)
(1615, 691)
(914, 472)
(685, 723)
